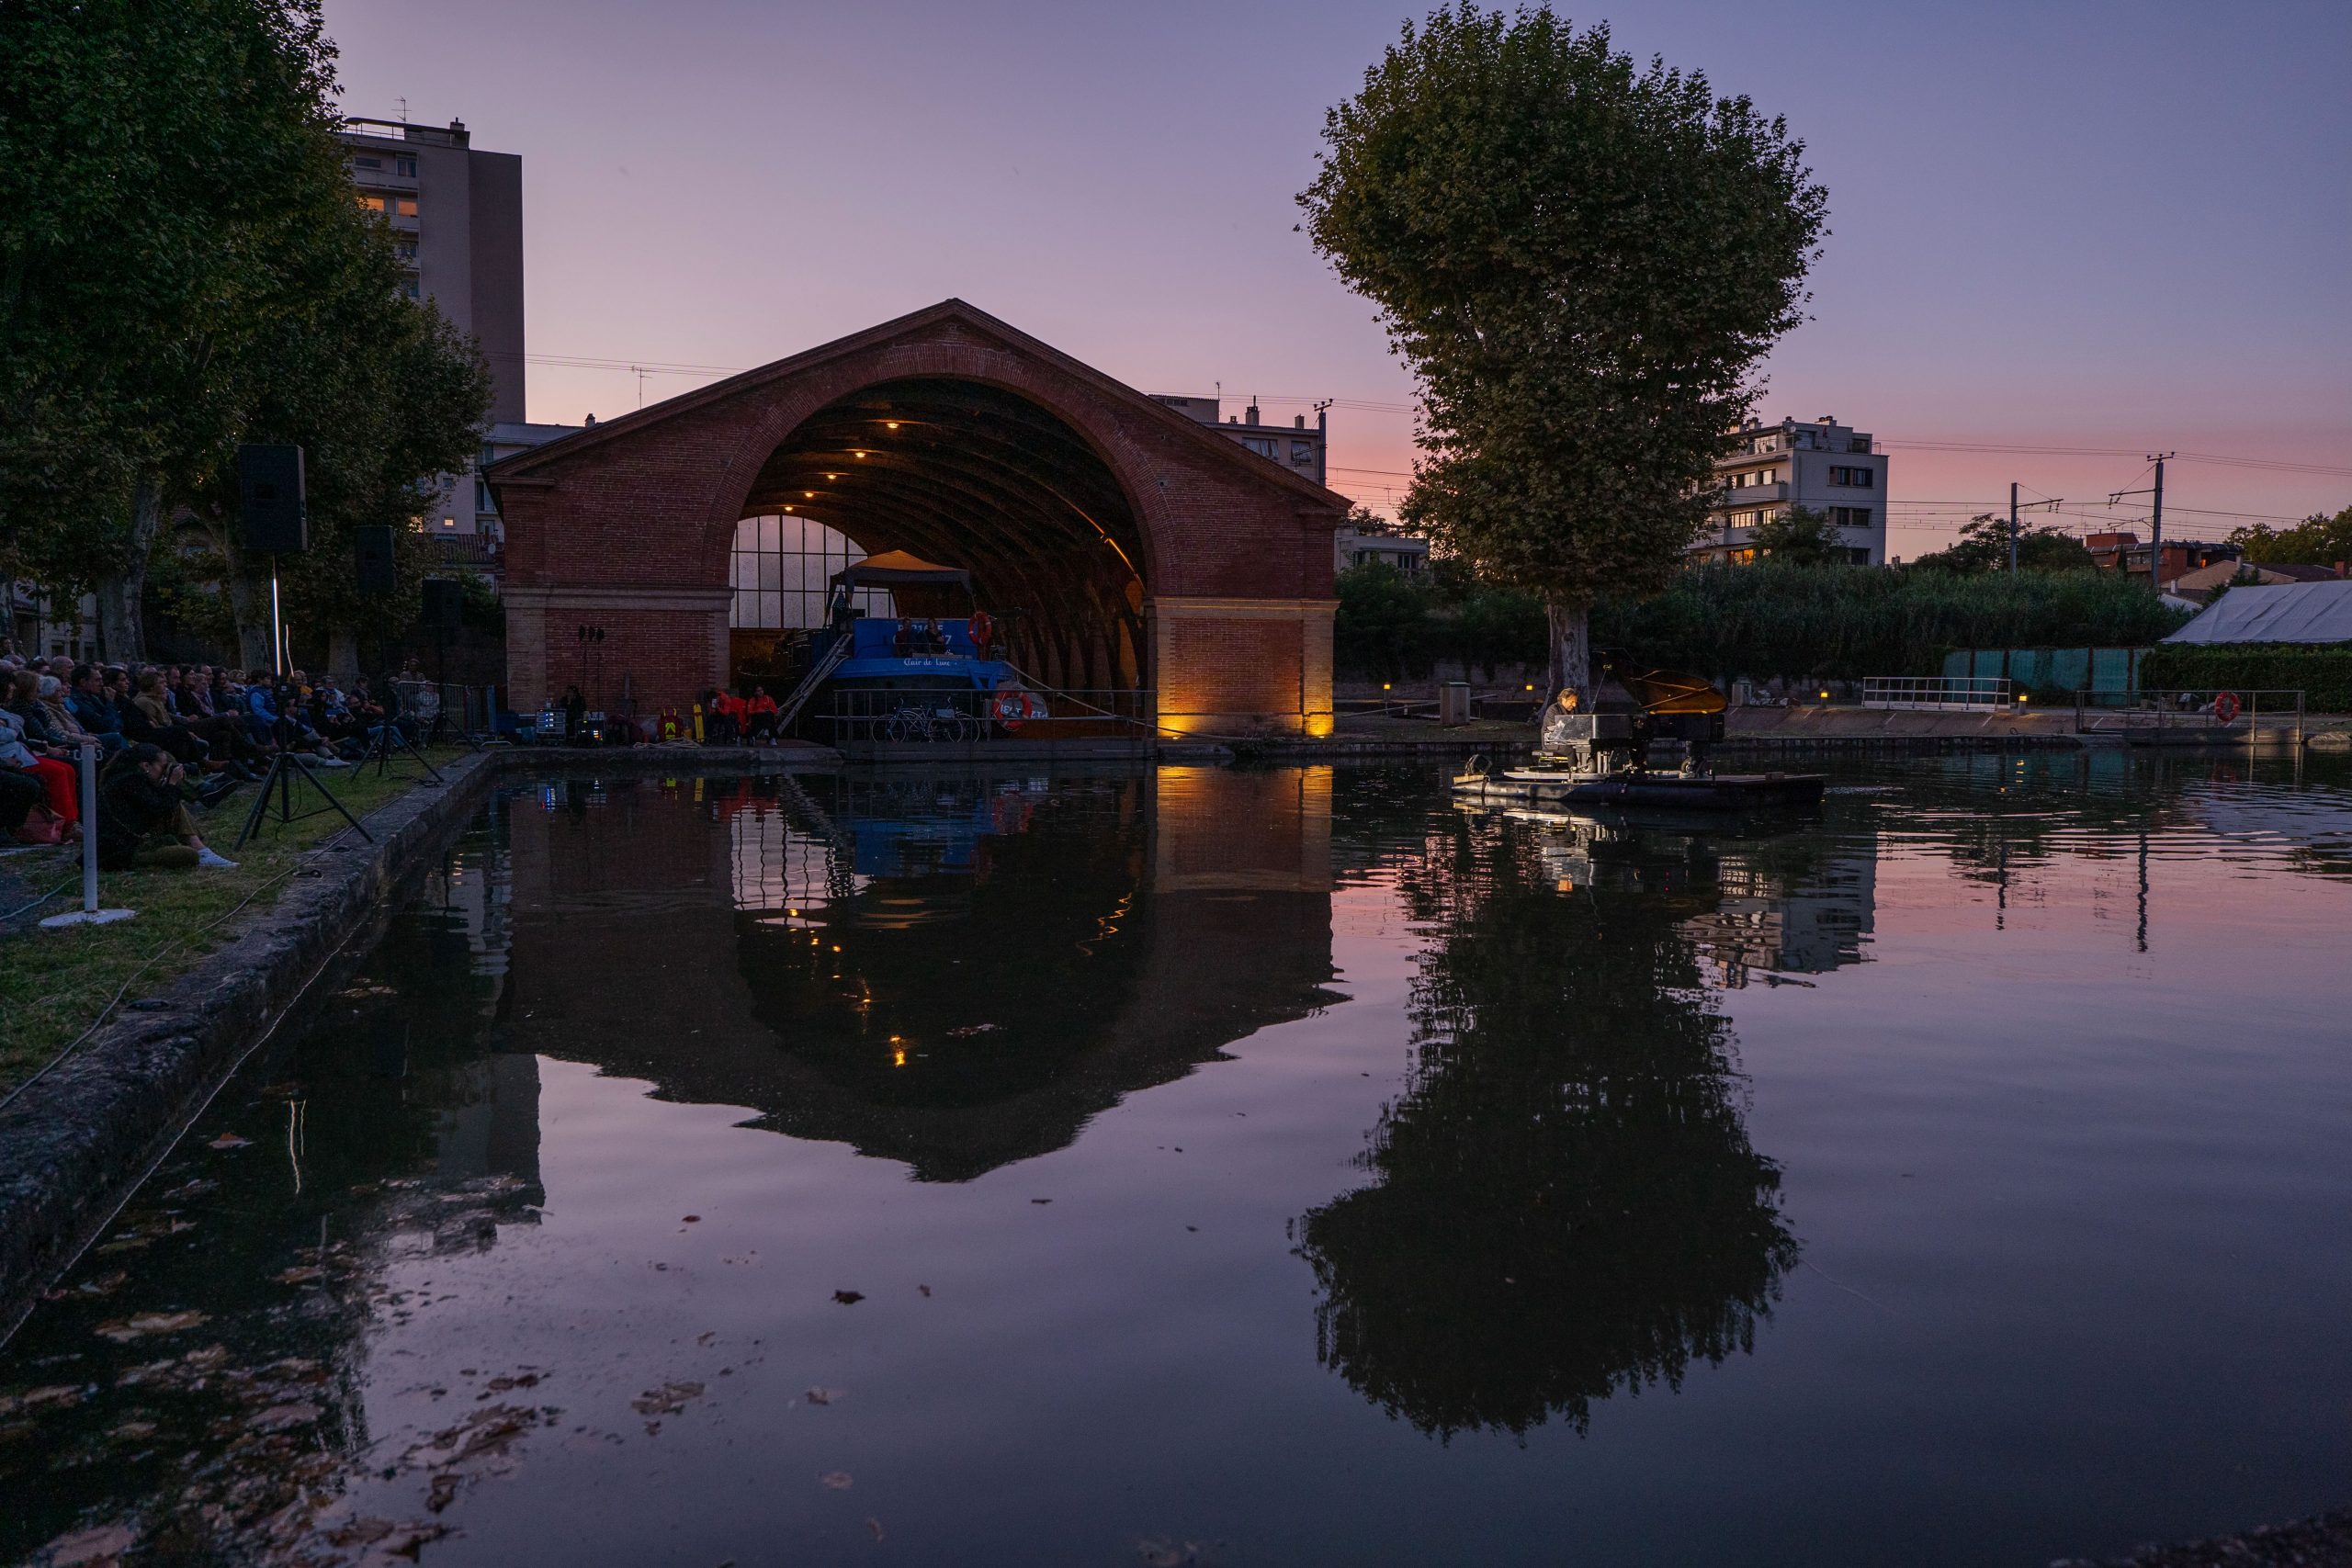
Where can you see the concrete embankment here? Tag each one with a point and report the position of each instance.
(76, 1140)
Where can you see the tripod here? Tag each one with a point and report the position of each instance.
(380, 752)
(283, 769)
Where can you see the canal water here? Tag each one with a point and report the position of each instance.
(1260, 1168)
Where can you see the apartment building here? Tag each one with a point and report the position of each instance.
(1352, 547)
(456, 216)
(1298, 446)
(1818, 464)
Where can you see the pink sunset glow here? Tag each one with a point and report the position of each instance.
(2109, 230)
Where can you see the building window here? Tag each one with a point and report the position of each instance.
(781, 569)
(411, 288)
(1854, 479)
(404, 206)
(1302, 451)
(366, 162)
(482, 496)
(404, 166)
(371, 201)
(1850, 516)
(1261, 444)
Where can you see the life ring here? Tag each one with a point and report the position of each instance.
(2225, 706)
(1011, 707)
(981, 628)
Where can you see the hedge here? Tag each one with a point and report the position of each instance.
(2322, 674)
(1845, 622)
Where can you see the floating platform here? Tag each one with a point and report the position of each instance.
(1722, 792)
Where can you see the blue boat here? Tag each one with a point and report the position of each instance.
(908, 677)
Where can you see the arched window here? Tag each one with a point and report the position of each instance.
(782, 568)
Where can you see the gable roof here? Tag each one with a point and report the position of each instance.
(1203, 438)
(2287, 612)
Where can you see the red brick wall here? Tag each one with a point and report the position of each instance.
(653, 505)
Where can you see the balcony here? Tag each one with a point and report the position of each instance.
(1732, 498)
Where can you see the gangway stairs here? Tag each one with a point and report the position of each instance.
(836, 657)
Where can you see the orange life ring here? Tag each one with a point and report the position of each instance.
(1010, 708)
(980, 629)
(2225, 706)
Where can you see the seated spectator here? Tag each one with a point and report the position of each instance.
(54, 776)
(731, 710)
(147, 717)
(20, 792)
(143, 821)
(760, 715)
(96, 712)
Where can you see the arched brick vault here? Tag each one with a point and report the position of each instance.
(1057, 486)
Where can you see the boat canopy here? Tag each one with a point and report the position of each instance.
(900, 568)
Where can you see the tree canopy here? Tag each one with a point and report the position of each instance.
(2317, 540)
(1582, 259)
(183, 267)
(1799, 537)
(1984, 546)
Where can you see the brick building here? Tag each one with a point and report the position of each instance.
(1122, 544)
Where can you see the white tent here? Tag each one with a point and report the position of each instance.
(2287, 612)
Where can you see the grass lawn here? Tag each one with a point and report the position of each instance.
(53, 984)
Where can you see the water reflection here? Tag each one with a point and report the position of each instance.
(1564, 1200)
(951, 972)
(405, 1213)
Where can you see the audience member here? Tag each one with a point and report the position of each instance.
(143, 821)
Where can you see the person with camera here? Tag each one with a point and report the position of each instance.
(142, 820)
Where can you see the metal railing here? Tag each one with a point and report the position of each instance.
(959, 715)
(1939, 693)
(2190, 714)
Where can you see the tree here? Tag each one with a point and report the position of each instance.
(1799, 537)
(2317, 540)
(182, 266)
(1984, 546)
(1582, 262)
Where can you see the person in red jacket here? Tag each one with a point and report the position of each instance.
(760, 715)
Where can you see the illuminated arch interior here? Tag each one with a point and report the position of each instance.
(970, 476)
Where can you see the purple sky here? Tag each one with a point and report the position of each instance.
(2122, 226)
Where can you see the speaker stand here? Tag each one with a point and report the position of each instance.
(284, 769)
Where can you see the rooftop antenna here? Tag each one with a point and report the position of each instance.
(403, 111)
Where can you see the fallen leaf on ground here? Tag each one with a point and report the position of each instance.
(849, 1298)
(692, 1219)
(874, 1525)
(924, 1289)
(302, 1275)
(228, 1141)
(834, 1481)
(823, 1396)
(444, 1492)
(122, 1331)
(971, 1029)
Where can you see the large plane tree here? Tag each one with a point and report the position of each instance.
(1582, 259)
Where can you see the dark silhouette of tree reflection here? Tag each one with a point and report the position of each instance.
(1564, 1201)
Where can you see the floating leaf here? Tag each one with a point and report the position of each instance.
(122, 1331)
(284, 1418)
(849, 1298)
(228, 1141)
(834, 1481)
(823, 1396)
